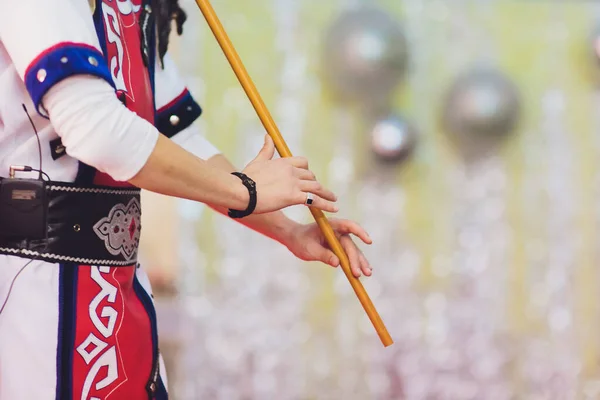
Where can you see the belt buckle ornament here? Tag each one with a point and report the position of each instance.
(120, 230)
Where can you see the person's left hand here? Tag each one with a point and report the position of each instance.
(308, 243)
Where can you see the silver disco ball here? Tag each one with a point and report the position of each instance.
(365, 53)
(392, 139)
(482, 102)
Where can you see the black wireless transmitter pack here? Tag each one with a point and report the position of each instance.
(24, 202)
(23, 206)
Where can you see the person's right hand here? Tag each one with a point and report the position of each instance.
(285, 182)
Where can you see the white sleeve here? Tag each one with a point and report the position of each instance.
(54, 47)
(97, 129)
(49, 41)
(176, 111)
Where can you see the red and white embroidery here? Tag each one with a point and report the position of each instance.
(113, 349)
(126, 7)
(93, 346)
(120, 230)
(123, 48)
(124, 56)
(113, 36)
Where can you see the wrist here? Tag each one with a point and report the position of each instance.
(250, 186)
(239, 197)
(283, 230)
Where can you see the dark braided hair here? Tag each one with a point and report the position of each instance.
(165, 11)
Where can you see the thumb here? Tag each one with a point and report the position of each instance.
(268, 150)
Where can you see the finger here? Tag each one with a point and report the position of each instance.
(365, 267)
(318, 189)
(268, 150)
(298, 162)
(304, 174)
(317, 202)
(353, 255)
(325, 256)
(346, 227)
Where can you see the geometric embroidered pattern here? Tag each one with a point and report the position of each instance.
(90, 348)
(120, 230)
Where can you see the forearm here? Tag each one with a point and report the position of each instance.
(99, 131)
(173, 171)
(274, 225)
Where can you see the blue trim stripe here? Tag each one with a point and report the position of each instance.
(61, 62)
(67, 303)
(153, 55)
(161, 392)
(184, 108)
(99, 25)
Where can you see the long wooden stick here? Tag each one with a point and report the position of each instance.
(284, 151)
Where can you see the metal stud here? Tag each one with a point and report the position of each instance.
(93, 61)
(189, 108)
(64, 60)
(41, 75)
(174, 120)
(76, 227)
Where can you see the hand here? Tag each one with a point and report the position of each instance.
(285, 182)
(308, 243)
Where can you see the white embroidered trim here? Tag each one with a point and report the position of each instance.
(86, 261)
(93, 190)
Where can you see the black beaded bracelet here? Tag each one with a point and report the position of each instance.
(251, 186)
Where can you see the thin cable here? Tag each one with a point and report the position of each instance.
(41, 173)
(13, 282)
(45, 174)
(38, 141)
(19, 273)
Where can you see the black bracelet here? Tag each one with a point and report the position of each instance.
(251, 186)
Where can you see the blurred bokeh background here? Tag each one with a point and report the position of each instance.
(465, 136)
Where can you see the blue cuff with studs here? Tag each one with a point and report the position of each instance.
(60, 62)
(177, 115)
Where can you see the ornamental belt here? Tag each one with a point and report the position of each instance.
(91, 225)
